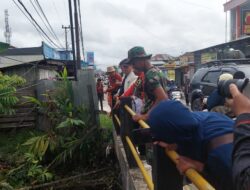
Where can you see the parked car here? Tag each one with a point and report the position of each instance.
(205, 79)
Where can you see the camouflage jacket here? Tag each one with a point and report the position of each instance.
(154, 78)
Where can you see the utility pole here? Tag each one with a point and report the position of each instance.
(72, 38)
(78, 56)
(226, 26)
(7, 32)
(80, 16)
(66, 39)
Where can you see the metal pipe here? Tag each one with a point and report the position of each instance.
(118, 120)
(192, 174)
(140, 164)
(132, 113)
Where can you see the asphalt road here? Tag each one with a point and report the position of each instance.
(107, 108)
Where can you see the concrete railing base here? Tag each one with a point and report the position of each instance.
(132, 179)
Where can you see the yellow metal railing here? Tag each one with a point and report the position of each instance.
(132, 113)
(192, 174)
(145, 175)
(140, 164)
(117, 120)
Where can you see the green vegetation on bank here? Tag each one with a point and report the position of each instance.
(8, 99)
(11, 149)
(106, 121)
(72, 146)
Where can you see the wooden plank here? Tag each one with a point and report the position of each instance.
(22, 115)
(17, 119)
(22, 104)
(24, 110)
(16, 125)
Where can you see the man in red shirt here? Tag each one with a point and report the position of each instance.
(115, 81)
(99, 89)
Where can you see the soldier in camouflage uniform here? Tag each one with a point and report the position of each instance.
(154, 86)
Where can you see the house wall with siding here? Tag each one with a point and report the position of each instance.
(10, 60)
(29, 72)
(84, 91)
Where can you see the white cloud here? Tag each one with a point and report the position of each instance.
(112, 27)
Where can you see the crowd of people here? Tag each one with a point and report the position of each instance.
(210, 142)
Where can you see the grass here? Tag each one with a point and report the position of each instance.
(106, 121)
(107, 125)
(11, 149)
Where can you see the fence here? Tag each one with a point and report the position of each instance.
(164, 173)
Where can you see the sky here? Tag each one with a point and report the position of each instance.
(112, 27)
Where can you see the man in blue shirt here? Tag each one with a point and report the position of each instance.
(203, 138)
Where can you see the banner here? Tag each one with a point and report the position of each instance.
(49, 52)
(90, 58)
(209, 56)
(246, 22)
(171, 74)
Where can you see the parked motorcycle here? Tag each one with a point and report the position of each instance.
(174, 93)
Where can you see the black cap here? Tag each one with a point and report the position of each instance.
(125, 62)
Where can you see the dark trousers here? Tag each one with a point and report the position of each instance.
(141, 147)
(100, 99)
(219, 167)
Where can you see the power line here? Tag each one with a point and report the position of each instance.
(40, 7)
(21, 62)
(20, 89)
(12, 59)
(26, 10)
(39, 32)
(38, 27)
(42, 18)
(24, 74)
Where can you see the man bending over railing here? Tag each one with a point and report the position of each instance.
(203, 139)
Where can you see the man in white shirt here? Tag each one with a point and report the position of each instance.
(129, 76)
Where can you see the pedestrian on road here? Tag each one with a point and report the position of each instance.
(154, 86)
(100, 92)
(186, 91)
(204, 140)
(115, 81)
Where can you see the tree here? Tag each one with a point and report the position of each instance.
(8, 99)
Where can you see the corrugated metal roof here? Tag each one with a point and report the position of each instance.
(23, 51)
(162, 57)
(243, 39)
(6, 65)
(49, 62)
